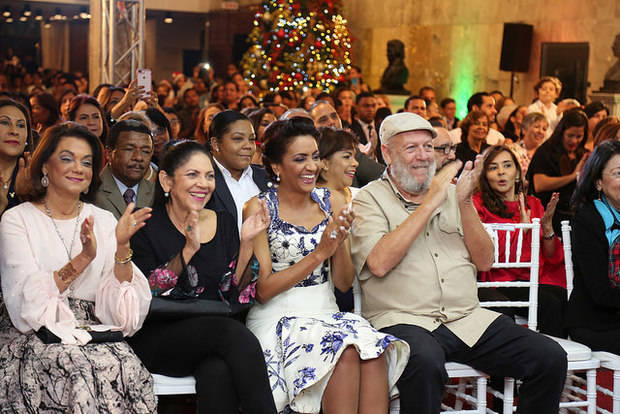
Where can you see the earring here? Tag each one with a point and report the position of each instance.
(278, 178)
(85, 191)
(45, 181)
(166, 194)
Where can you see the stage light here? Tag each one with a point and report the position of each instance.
(84, 13)
(6, 12)
(168, 19)
(9, 19)
(57, 14)
(27, 12)
(47, 24)
(38, 16)
(23, 18)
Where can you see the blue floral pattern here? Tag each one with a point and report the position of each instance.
(301, 348)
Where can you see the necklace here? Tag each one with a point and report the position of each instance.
(77, 220)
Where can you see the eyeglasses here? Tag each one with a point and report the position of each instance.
(446, 149)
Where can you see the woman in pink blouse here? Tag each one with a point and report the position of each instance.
(66, 274)
(501, 200)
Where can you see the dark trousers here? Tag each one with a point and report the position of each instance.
(221, 353)
(607, 340)
(504, 350)
(552, 302)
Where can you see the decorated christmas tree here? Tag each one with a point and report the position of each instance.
(297, 43)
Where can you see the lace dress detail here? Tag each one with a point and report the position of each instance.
(53, 378)
(301, 330)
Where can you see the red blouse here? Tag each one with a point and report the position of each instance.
(551, 269)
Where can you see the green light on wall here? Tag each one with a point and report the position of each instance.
(462, 75)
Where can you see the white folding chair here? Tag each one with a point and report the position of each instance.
(580, 358)
(454, 370)
(609, 361)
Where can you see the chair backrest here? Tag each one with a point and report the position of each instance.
(568, 256)
(513, 233)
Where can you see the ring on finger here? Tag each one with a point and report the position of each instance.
(333, 234)
(188, 228)
(134, 223)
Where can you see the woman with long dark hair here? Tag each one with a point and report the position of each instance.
(15, 137)
(317, 357)
(593, 316)
(557, 163)
(502, 200)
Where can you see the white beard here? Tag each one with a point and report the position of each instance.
(400, 172)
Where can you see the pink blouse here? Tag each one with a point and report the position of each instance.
(31, 250)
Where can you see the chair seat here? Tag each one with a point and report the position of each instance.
(163, 385)
(608, 360)
(456, 369)
(574, 350)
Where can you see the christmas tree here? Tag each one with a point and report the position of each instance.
(298, 43)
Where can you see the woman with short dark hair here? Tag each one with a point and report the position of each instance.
(68, 282)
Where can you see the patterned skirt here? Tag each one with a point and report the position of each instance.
(53, 378)
(303, 335)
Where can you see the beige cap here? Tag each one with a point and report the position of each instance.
(403, 122)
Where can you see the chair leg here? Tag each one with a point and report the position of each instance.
(509, 397)
(460, 389)
(482, 395)
(616, 391)
(591, 390)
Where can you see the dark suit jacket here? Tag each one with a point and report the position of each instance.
(222, 199)
(368, 170)
(110, 198)
(358, 130)
(594, 303)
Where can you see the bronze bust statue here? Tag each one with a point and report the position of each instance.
(396, 74)
(612, 77)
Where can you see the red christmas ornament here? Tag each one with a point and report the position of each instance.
(299, 76)
(280, 33)
(318, 44)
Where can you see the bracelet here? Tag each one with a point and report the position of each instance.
(67, 273)
(124, 260)
(549, 236)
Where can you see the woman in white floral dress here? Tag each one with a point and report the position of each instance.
(317, 357)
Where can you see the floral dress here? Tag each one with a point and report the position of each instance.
(301, 331)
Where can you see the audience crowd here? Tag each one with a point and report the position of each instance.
(269, 205)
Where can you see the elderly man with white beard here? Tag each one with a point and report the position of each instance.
(417, 246)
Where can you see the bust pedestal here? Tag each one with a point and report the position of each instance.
(609, 99)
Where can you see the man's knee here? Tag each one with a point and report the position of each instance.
(548, 357)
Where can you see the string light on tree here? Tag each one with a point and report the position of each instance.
(298, 43)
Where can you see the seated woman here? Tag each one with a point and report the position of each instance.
(337, 151)
(15, 137)
(317, 357)
(66, 271)
(475, 128)
(501, 200)
(534, 128)
(593, 316)
(233, 145)
(86, 111)
(189, 248)
(556, 164)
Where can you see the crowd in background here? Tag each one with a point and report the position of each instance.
(549, 159)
